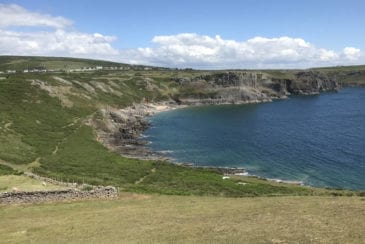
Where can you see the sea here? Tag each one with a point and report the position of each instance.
(318, 140)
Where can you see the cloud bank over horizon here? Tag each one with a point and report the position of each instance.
(55, 36)
(191, 49)
(58, 40)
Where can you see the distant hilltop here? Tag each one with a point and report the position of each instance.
(30, 64)
(344, 75)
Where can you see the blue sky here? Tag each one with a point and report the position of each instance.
(132, 31)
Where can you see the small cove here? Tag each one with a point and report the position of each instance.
(318, 139)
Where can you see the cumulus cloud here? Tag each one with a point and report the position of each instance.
(352, 53)
(193, 50)
(15, 15)
(181, 50)
(59, 41)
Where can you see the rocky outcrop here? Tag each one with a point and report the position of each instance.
(59, 195)
(229, 79)
(120, 130)
(310, 82)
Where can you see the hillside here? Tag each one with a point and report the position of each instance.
(21, 63)
(69, 125)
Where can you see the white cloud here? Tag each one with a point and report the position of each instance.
(56, 42)
(15, 15)
(193, 50)
(352, 53)
(181, 50)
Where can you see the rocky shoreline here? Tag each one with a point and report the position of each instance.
(120, 130)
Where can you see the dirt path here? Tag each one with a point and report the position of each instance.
(7, 126)
(144, 177)
(13, 166)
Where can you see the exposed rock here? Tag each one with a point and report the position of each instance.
(61, 92)
(311, 82)
(120, 129)
(247, 87)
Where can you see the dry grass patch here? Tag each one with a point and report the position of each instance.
(170, 219)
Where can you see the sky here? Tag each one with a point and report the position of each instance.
(189, 34)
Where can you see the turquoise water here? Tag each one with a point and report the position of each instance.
(319, 139)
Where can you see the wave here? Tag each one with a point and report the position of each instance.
(166, 151)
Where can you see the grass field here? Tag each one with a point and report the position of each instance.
(177, 219)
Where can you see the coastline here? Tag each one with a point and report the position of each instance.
(125, 135)
(123, 132)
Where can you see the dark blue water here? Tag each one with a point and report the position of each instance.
(319, 139)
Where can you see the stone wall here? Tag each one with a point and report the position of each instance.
(57, 195)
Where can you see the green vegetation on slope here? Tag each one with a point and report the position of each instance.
(6, 170)
(33, 123)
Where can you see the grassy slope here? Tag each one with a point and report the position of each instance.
(6, 170)
(39, 132)
(179, 219)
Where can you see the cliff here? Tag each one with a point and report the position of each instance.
(247, 87)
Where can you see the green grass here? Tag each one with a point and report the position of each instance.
(6, 170)
(81, 159)
(180, 180)
(187, 219)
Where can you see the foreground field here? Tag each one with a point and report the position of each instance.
(153, 218)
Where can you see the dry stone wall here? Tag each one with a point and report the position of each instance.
(57, 195)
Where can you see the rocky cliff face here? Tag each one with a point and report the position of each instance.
(246, 87)
(311, 83)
